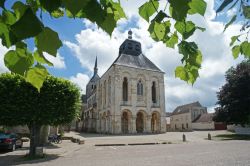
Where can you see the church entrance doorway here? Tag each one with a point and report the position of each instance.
(139, 122)
(155, 122)
(125, 120)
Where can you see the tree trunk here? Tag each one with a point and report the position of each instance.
(44, 133)
(34, 138)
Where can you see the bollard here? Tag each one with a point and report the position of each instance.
(209, 136)
(183, 138)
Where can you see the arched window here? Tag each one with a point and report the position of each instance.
(139, 88)
(125, 89)
(153, 93)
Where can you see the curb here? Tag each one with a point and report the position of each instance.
(110, 144)
(131, 144)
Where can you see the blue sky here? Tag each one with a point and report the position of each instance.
(83, 41)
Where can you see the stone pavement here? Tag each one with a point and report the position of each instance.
(196, 151)
(173, 137)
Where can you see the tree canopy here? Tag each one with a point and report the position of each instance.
(168, 23)
(234, 96)
(21, 104)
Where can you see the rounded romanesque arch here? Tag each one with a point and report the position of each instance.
(140, 121)
(126, 121)
(155, 122)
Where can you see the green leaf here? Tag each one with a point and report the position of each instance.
(48, 41)
(245, 49)
(108, 24)
(36, 76)
(160, 16)
(172, 41)
(18, 61)
(186, 29)
(181, 73)
(197, 6)
(50, 5)
(236, 51)
(159, 30)
(230, 22)
(74, 6)
(246, 11)
(117, 10)
(148, 9)
(27, 26)
(8, 38)
(193, 74)
(57, 13)
(179, 9)
(224, 4)
(233, 39)
(8, 17)
(39, 57)
(2, 4)
(21, 45)
(19, 9)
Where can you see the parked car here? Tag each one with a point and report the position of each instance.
(10, 141)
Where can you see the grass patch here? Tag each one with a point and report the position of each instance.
(232, 137)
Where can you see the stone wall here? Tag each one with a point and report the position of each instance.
(111, 107)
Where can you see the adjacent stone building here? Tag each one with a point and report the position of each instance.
(183, 116)
(128, 97)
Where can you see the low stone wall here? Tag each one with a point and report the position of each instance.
(242, 130)
(203, 126)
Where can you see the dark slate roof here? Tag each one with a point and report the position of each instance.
(140, 61)
(130, 54)
(185, 108)
(94, 78)
(204, 118)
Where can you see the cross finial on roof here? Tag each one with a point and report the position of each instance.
(130, 34)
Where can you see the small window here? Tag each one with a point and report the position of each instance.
(130, 46)
(137, 48)
(125, 89)
(139, 88)
(153, 91)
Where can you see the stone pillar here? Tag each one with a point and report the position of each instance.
(148, 124)
(133, 121)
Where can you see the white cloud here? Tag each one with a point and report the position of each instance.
(81, 80)
(3, 51)
(231, 12)
(57, 61)
(213, 43)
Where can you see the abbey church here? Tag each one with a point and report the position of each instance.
(129, 97)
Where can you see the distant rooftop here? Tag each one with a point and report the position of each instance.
(185, 108)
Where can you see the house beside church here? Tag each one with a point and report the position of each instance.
(129, 97)
(183, 116)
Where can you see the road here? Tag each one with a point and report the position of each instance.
(208, 153)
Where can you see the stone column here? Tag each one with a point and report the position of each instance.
(148, 124)
(133, 121)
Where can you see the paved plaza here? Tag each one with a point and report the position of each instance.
(197, 151)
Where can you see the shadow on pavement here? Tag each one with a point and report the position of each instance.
(8, 160)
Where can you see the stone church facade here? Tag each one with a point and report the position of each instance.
(129, 97)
